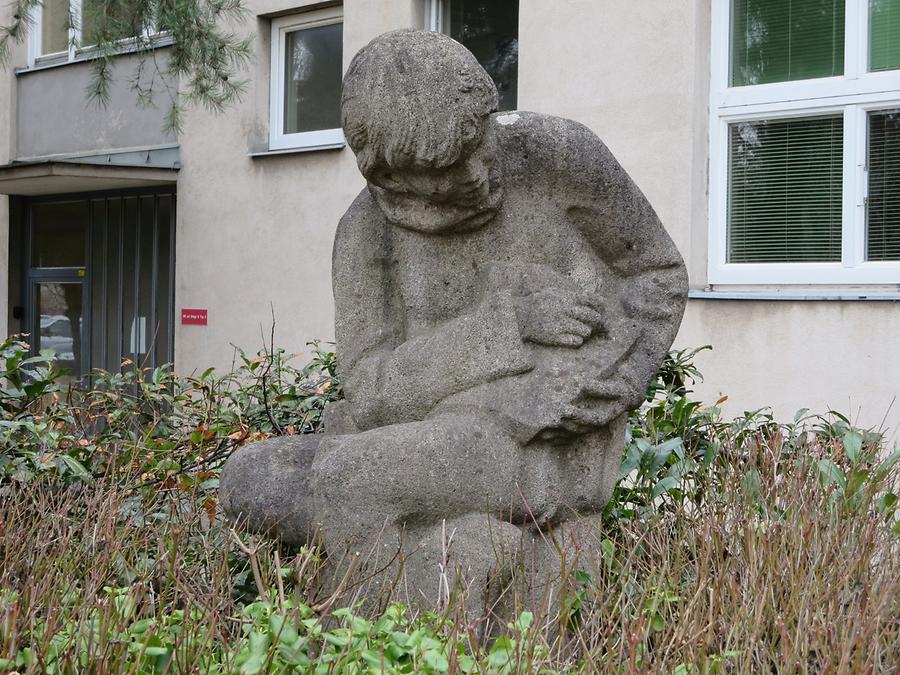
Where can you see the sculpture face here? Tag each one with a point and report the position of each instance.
(416, 111)
(456, 198)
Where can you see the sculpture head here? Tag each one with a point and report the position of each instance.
(415, 110)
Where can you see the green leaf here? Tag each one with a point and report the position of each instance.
(887, 503)
(501, 652)
(375, 659)
(523, 623)
(259, 642)
(853, 441)
(830, 473)
(885, 467)
(466, 663)
(254, 664)
(282, 628)
(856, 481)
(436, 661)
(663, 486)
(140, 627)
(75, 466)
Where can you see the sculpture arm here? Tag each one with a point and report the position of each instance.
(388, 378)
(625, 232)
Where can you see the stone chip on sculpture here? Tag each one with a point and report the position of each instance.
(504, 294)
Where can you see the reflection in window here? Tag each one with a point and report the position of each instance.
(109, 20)
(785, 190)
(884, 29)
(782, 40)
(490, 30)
(59, 311)
(305, 87)
(312, 79)
(59, 234)
(883, 204)
(54, 26)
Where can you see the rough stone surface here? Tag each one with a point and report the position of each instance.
(265, 486)
(504, 294)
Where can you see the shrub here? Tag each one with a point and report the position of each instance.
(729, 545)
(151, 425)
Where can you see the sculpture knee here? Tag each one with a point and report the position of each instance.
(265, 487)
(415, 474)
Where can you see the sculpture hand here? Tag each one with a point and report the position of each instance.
(599, 403)
(557, 317)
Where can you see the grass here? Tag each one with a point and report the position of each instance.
(745, 546)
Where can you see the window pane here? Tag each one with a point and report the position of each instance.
(54, 26)
(108, 20)
(59, 312)
(58, 238)
(780, 40)
(312, 79)
(883, 210)
(490, 30)
(785, 190)
(885, 34)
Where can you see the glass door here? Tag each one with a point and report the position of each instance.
(100, 272)
(59, 322)
(58, 251)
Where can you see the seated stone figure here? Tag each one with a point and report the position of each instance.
(504, 294)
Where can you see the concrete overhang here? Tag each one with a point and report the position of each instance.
(64, 176)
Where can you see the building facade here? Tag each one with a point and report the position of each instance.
(765, 133)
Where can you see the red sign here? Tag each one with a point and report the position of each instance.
(195, 317)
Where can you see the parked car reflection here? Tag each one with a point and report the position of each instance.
(56, 334)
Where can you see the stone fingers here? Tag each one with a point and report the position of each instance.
(608, 389)
(572, 326)
(578, 419)
(588, 316)
(562, 340)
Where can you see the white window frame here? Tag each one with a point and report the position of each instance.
(308, 140)
(75, 50)
(852, 95)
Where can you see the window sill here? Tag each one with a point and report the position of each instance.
(297, 150)
(797, 295)
(86, 54)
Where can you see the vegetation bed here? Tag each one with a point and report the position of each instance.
(729, 546)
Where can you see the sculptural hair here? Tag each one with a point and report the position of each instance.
(414, 99)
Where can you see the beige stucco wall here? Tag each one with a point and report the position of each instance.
(7, 136)
(255, 234)
(842, 356)
(61, 118)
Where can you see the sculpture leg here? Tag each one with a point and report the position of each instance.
(415, 474)
(394, 495)
(265, 487)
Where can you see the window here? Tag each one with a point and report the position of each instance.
(68, 26)
(805, 142)
(490, 30)
(305, 102)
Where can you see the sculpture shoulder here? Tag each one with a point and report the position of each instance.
(361, 231)
(534, 140)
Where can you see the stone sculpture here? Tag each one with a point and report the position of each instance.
(504, 294)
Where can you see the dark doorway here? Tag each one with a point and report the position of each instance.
(99, 278)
